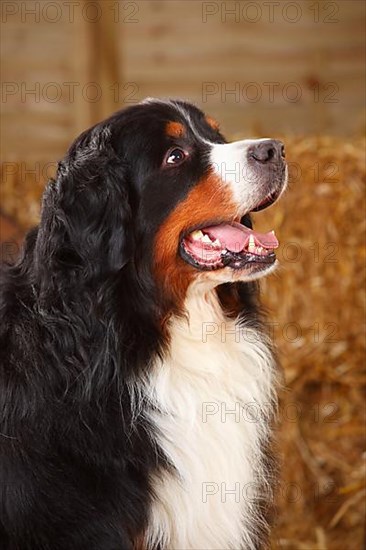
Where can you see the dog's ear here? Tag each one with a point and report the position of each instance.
(86, 215)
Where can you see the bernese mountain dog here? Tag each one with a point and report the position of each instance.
(137, 380)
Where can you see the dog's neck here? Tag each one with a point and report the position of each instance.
(211, 401)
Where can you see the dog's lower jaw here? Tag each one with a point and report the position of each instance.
(200, 398)
(208, 280)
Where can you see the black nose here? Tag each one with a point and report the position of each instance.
(265, 151)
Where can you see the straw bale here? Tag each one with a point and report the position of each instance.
(316, 304)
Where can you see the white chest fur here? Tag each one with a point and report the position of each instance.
(211, 400)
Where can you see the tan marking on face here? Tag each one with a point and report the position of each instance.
(139, 543)
(175, 129)
(230, 300)
(211, 199)
(212, 122)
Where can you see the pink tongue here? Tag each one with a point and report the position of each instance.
(235, 237)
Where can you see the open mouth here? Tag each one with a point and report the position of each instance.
(266, 202)
(231, 245)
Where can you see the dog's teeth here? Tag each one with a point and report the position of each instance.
(197, 235)
(251, 244)
(206, 239)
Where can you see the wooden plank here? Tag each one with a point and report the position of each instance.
(166, 50)
(82, 70)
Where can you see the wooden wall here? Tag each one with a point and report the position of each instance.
(311, 52)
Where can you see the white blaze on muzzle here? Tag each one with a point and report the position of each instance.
(231, 163)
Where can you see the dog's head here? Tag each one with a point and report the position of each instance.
(157, 189)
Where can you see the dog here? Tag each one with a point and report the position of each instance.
(138, 382)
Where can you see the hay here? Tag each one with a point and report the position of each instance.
(317, 299)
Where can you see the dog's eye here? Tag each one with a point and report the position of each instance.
(175, 156)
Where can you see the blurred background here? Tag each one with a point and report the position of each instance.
(290, 70)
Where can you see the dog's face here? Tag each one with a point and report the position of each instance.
(180, 197)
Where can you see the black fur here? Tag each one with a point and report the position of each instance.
(79, 320)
